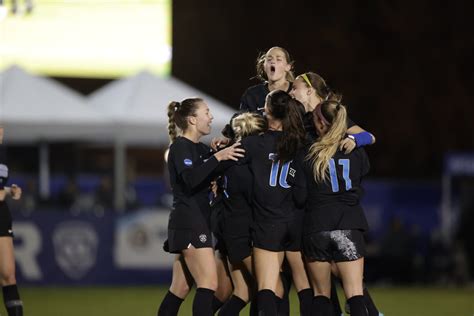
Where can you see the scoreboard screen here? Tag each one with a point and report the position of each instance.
(87, 38)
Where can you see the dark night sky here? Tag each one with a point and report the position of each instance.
(405, 69)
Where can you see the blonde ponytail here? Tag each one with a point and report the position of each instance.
(321, 152)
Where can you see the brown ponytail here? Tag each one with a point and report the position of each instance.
(172, 108)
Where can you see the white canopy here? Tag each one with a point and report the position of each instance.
(36, 109)
(127, 111)
(138, 105)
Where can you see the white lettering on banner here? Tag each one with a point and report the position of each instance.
(27, 250)
(139, 240)
(75, 248)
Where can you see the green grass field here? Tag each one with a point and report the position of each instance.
(143, 301)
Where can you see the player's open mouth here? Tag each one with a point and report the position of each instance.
(272, 69)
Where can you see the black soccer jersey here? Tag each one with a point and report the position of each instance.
(253, 99)
(3, 167)
(272, 196)
(191, 171)
(334, 204)
(5, 216)
(238, 183)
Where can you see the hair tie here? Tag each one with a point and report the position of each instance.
(319, 113)
(176, 107)
(328, 92)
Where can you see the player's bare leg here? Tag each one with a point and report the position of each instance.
(267, 271)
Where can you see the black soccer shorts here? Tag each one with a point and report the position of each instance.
(335, 245)
(181, 239)
(276, 236)
(5, 220)
(236, 236)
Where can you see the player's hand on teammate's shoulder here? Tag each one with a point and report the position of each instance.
(233, 152)
(347, 145)
(219, 142)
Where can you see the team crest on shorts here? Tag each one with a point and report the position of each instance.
(292, 172)
(203, 238)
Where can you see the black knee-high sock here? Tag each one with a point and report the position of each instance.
(306, 300)
(369, 303)
(232, 307)
(202, 304)
(357, 306)
(266, 303)
(170, 305)
(216, 304)
(12, 301)
(253, 307)
(278, 303)
(334, 299)
(322, 306)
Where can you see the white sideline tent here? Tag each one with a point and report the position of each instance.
(138, 106)
(35, 109)
(39, 110)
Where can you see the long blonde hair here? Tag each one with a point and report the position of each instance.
(247, 124)
(334, 115)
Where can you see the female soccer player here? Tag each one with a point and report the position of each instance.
(274, 68)
(237, 216)
(11, 298)
(311, 89)
(277, 220)
(334, 220)
(191, 169)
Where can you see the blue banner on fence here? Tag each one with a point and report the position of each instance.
(54, 247)
(58, 248)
